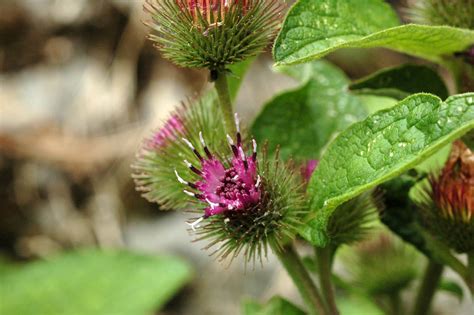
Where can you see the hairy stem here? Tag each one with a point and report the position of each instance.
(428, 288)
(225, 103)
(301, 278)
(324, 259)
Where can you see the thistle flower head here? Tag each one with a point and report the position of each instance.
(447, 202)
(247, 203)
(457, 13)
(212, 33)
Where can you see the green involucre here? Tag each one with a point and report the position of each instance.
(457, 13)
(215, 37)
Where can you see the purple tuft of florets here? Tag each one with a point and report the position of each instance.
(232, 186)
(170, 131)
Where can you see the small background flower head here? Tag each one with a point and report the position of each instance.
(212, 33)
(165, 151)
(308, 168)
(352, 220)
(447, 202)
(457, 13)
(382, 265)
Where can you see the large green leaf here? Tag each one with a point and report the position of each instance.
(313, 29)
(381, 147)
(276, 306)
(399, 82)
(303, 120)
(92, 282)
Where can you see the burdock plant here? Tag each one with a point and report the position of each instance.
(244, 199)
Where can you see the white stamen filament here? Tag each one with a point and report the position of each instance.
(195, 224)
(189, 144)
(187, 192)
(212, 204)
(202, 139)
(187, 163)
(237, 122)
(258, 181)
(180, 179)
(254, 144)
(242, 154)
(231, 142)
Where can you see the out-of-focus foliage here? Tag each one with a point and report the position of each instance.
(92, 282)
(275, 306)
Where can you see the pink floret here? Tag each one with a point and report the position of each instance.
(173, 126)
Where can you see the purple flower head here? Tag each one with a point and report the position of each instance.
(170, 131)
(225, 185)
(308, 168)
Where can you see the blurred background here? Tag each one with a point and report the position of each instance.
(80, 86)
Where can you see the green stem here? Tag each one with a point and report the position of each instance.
(222, 88)
(428, 288)
(395, 303)
(301, 278)
(470, 271)
(324, 259)
(442, 253)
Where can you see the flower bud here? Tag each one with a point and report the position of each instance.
(447, 203)
(212, 33)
